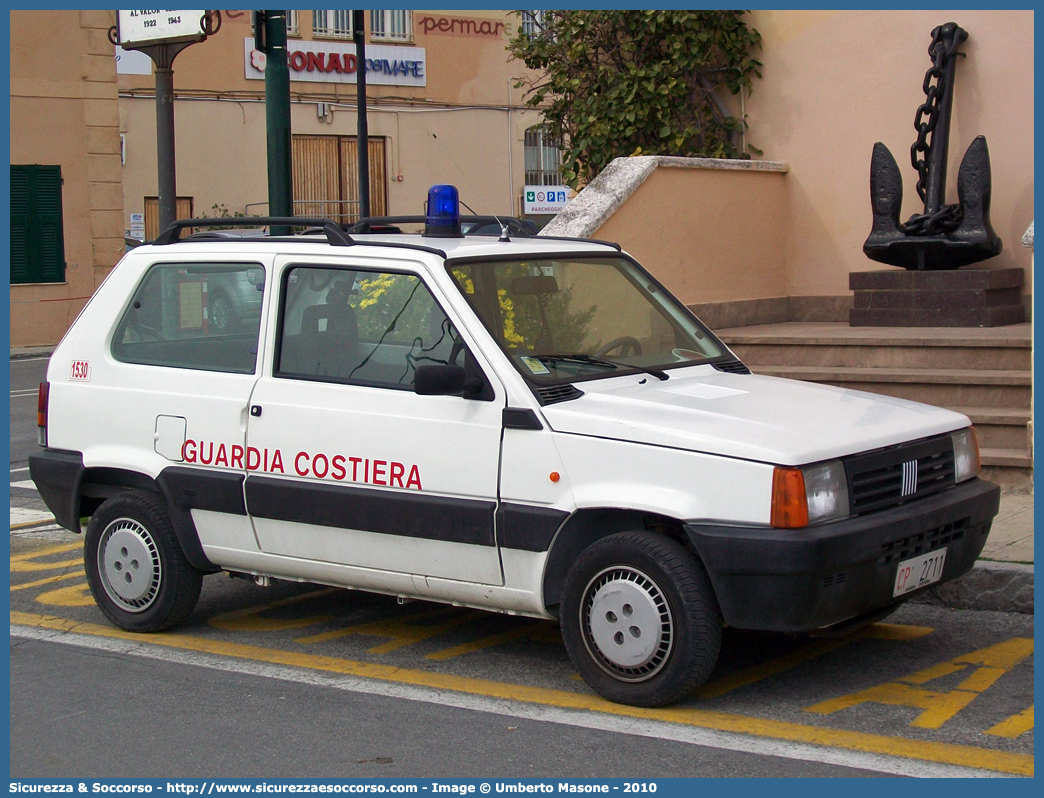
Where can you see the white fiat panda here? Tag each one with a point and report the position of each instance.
(530, 425)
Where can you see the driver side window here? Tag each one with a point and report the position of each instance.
(357, 326)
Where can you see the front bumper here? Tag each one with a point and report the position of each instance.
(799, 580)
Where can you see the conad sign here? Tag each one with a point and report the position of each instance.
(333, 62)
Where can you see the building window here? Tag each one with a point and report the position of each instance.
(396, 26)
(326, 177)
(293, 26)
(533, 23)
(37, 240)
(335, 24)
(182, 210)
(543, 158)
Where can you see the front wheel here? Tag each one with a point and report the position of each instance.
(640, 619)
(136, 570)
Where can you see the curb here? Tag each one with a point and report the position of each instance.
(24, 352)
(989, 585)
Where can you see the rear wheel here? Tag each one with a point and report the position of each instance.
(640, 619)
(136, 570)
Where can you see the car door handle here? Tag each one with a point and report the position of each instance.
(255, 410)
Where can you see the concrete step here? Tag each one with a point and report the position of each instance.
(1011, 458)
(943, 387)
(1012, 469)
(900, 354)
(838, 344)
(999, 428)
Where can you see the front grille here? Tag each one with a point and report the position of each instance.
(549, 394)
(835, 579)
(899, 474)
(904, 549)
(732, 367)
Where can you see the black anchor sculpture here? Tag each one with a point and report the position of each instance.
(944, 236)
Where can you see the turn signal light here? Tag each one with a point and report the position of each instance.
(789, 502)
(41, 412)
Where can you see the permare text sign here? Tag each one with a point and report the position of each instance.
(136, 29)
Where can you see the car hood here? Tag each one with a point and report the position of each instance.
(767, 419)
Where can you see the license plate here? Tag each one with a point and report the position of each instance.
(919, 571)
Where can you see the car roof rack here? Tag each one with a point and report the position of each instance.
(335, 234)
(389, 224)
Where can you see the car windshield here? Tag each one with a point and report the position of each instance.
(573, 318)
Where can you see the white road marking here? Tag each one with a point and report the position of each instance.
(25, 483)
(17, 470)
(23, 515)
(24, 392)
(896, 766)
(45, 532)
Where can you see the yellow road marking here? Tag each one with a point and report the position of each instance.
(71, 596)
(484, 642)
(250, 619)
(402, 630)
(763, 670)
(27, 560)
(937, 707)
(1015, 725)
(948, 753)
(48, 580)
(895, 631)
(59, 549)
(27, 524)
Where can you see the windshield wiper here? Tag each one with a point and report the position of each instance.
(601, 361)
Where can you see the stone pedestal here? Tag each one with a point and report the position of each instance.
(959, 298)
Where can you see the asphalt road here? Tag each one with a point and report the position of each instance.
(124, 716)
(302, 680)
(26, 375)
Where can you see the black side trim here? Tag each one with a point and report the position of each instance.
(528, 528)
(200, 489)
(520, 418)
(187, 489)
(57, 475)
(372, 510)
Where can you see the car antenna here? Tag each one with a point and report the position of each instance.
(503, 227)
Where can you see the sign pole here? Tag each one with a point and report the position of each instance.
(277, 118)
(359, 32)
(165, 166)
(161, 35)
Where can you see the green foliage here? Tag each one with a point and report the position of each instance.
(220, 211)
(617, 83)
(542, 323)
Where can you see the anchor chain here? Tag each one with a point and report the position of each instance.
(948, 217)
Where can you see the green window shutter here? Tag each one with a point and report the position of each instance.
(20, 272)
(37, 238)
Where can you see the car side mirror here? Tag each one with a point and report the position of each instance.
(444, 380)
(438, 380)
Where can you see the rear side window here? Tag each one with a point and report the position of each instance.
(203, 316)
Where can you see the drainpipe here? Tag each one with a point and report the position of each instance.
(511, 167)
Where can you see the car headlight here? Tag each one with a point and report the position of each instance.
(965, 454)
(826, 491)
(802, 496)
